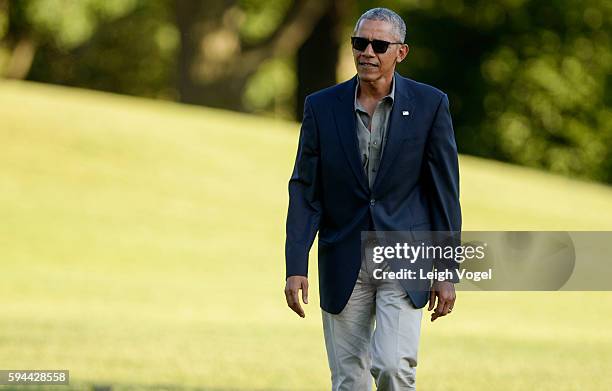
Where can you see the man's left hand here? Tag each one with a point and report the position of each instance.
(445, 292)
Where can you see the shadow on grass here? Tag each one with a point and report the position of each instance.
(82, 386)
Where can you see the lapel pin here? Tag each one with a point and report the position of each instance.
(405, 113)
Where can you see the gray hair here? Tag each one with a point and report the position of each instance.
(399, 27)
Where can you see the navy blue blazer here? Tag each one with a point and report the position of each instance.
(416, 188)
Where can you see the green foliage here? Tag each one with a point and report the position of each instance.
(131, 48)
(547, 89)
(261, 18)
(529, 81)
(272, 87)
(69, 23)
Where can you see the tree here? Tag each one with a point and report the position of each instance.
(27, 25)
(224, 43)
(317, 58)
(528, 81)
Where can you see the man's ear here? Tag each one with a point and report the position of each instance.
(404, 49)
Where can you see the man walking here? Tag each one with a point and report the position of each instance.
(376, 153)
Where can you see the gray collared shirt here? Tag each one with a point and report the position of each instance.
(371, 132)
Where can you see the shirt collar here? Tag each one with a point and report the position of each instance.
(390, 95)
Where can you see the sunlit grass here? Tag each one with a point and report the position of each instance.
(142, 245)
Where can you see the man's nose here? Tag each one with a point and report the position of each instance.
(369, 51)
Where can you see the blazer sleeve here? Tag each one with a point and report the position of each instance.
(442, 178)
(304, 212)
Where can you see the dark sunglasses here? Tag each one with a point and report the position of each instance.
(378, 45)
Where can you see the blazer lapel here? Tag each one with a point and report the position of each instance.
(398, 127)
(345, 125)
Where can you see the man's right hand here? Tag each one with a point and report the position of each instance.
(292, 286)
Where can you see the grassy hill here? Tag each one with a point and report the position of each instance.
(142, 246)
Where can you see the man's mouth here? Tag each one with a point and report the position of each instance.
(368, 64)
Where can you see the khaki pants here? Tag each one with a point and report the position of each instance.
(357, 351)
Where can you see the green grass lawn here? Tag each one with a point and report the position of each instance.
(142, 246)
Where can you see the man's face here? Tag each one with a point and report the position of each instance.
(370, 65)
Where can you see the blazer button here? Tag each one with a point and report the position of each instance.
(372, 202)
